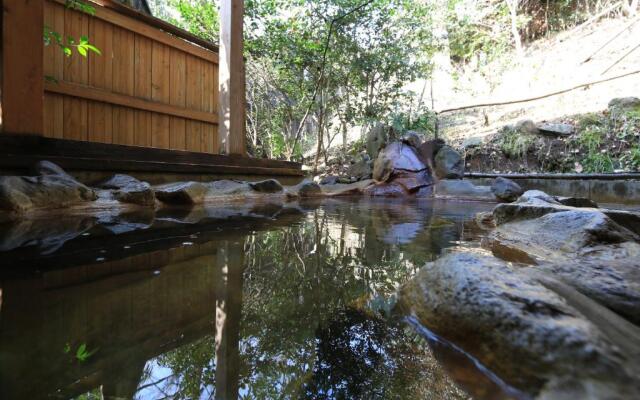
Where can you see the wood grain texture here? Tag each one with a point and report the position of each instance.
(148, 88)
(177, 97)
(232, 81)
(22, 67)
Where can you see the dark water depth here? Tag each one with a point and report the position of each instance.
(258, 303)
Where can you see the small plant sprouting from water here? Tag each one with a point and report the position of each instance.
(82, 354)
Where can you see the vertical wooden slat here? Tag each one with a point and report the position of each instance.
(194, 101)
(123, 82)
(143, 73)
(22, 67)
(178, 98)
(53, 70)
(232, 96)
(101, 76)
(160, 91)
(76, 69)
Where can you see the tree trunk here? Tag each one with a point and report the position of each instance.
(513, 11)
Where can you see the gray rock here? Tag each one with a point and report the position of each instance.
(506, 189)
(361, 170)
(535, 203)
(20, 194)
(128, 189)
(449, 164)
(428, 150)
(527, 127)
(304, 189)
(48, 168)
(182, 193)
(565, 235)
(413, 138)
(528, 334)
(473, 141)
(462, 190)
(396, 156)
(267, 186)
(581, 202)
(613, 283)
(329, 180)
(377, 138)
(625, 103)
(555, 130)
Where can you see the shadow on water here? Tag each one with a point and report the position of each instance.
(252, 301)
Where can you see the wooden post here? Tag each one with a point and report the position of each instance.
(231, 112)
(22, 66)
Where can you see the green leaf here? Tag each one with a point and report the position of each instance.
(82, 50)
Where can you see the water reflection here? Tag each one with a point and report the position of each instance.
(258, 302)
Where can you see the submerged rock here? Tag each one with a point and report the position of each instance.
(128, 189)
(462, 190)
(448, 164)
(506, 189)
(54, 189)
(527, 333)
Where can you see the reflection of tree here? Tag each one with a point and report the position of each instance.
(315, 296)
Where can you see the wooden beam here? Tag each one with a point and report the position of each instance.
(105, 96)
(22, 66)
(231, 79)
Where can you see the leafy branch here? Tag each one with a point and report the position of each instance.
(82, 45)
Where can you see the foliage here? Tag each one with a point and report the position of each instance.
(514, 144)
(591, 138)
(597, 163)
(82, 44)
(632, 158)
(81, 354)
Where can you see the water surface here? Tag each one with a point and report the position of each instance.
(256, 302)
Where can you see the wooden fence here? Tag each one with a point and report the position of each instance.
(149, 87)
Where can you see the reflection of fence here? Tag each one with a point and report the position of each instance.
(148, 88)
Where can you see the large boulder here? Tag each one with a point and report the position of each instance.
(448, 164)
(544, 341)
(189, 193)
(397, 156)
(506, 189)
(128, 189)
(377, 138)
(413, 138)
(527, 127)
(53, 189)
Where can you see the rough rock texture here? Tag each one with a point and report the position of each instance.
(306, 188)
(462, 190)
(527, 127)
(534, 203)
(428, 150)
(524, 331)
(361, 169)
(377, 138)
(187, 193)
(45, 167)
(329, 180)
(182, 192)
(555, 130)
(413, 139)
(351, 189)
(128, 189)
(54, 189)
(448, 164)
(396, 156)
(577, 202)
(267, 186)
(506, 189)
